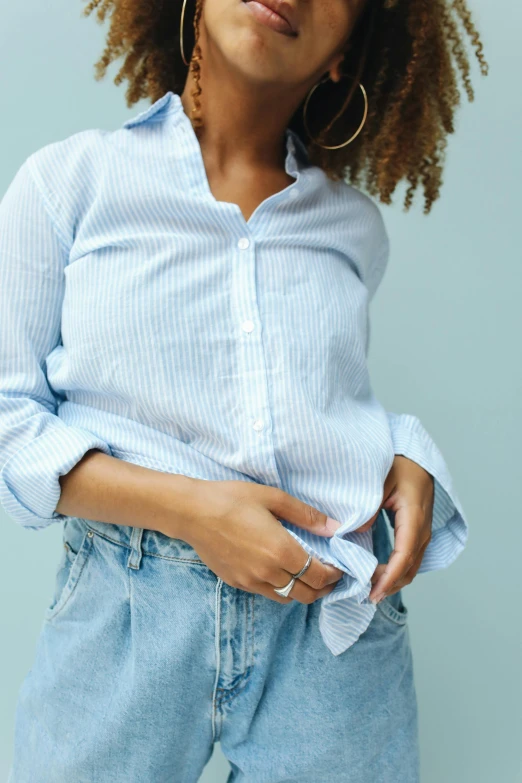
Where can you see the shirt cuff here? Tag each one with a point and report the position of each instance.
(449, 527)
(29, 480)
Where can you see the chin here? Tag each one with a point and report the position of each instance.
(253, 54)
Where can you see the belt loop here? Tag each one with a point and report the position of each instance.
(136, 549)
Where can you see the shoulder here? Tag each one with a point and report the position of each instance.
(362, 209)
(71, 162)
(364, 233)
(68, 174)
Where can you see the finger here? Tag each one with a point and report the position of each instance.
(299, 592)
(267, 591)
(379, 570)
(304, 593)
(410, 574)
(409, 522)
(290, 557)
(319, 574)
(291, 561)
(288, 507)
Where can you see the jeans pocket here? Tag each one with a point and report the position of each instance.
(77, 546)
(393, 608)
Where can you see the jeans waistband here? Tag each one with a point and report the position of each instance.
(142, 541)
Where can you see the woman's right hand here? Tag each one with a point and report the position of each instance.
(235, 529)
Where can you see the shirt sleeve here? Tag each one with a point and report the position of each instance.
(450, 527)
(36, 447)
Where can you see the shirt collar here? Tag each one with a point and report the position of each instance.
(170, 103)
(166, 103)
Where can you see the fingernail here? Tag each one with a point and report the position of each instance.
(377, 598)
(332, 525)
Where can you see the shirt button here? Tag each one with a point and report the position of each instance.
(293, 193)
(258, 425)
(247, 326)
(243, 243)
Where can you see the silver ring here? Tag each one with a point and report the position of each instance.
(285, 591)
(303, 569)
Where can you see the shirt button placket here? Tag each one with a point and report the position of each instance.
(258, 454)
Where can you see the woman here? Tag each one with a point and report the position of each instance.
(184, 316)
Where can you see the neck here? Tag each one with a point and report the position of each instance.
(244, 123)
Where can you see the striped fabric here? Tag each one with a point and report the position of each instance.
(142, 317)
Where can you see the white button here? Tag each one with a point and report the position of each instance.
(247, 326)
(243, 243)
(258, 424)
(293, 193)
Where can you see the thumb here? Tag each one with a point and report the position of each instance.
(297, 512)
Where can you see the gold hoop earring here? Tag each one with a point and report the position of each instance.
(181, 32)
(359, 129)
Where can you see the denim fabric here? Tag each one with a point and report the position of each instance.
(146, 658)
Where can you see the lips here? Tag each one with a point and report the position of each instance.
(283, 10)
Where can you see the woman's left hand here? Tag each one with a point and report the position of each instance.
(409, 491)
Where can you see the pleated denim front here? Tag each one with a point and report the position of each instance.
(146, 658)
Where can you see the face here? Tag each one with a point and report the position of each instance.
(234, 30)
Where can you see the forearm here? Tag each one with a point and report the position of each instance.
(107, 489)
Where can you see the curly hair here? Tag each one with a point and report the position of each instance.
(408, 54)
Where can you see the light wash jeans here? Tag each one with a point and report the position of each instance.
(146, 658)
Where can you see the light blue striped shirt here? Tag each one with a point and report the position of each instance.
(142, 317)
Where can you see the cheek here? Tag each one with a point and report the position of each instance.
(333, 20)
(222, 23)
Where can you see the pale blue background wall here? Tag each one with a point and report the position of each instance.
(446, 330)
